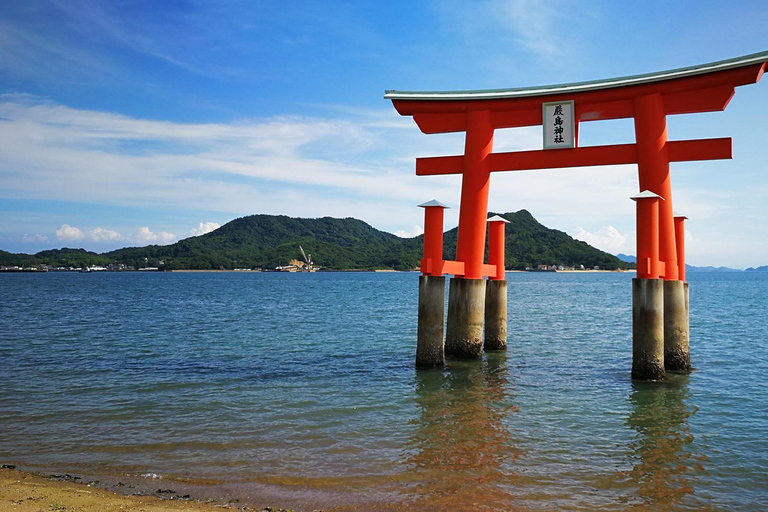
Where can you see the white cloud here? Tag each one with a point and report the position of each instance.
(67, 233)
(203, 228)
(607, 239)
(104, 235)
(146, 236)
(143, 236)
(413, 232)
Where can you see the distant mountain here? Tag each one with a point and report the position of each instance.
(267, 241)
(690, 268)
(764, 268)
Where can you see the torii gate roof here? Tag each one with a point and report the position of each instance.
(702, 88)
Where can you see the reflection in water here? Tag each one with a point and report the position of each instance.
(664, 460)
(459, 458)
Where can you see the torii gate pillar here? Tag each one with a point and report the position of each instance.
(466, 293)
(496, 288)
(647, 293)
(677, 351)
(429, 341)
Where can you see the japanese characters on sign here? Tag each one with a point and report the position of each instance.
(558, 117)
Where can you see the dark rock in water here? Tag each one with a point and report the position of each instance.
(8, 466)
(66, 477)
(165, 491)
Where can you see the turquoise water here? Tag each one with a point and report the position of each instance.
(299, 390)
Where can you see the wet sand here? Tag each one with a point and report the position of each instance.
(30, 492)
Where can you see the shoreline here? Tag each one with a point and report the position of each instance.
(25, 491)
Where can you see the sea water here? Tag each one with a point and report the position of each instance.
(299, 390)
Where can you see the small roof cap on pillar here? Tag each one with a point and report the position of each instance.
(498, 218)
(646, 194)
(434, 202)
(676, 215)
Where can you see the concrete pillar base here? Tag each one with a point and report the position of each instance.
(647, 329)
(677, 355)
(495, 315)
(466, 311)
(429, 342)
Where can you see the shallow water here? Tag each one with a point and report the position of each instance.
(300, 389)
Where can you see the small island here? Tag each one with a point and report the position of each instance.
(287, 244)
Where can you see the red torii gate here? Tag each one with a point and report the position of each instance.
(648, 99)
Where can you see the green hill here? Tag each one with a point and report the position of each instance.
(64, 257)
(10, 259)
(267, 241)
(529, 243)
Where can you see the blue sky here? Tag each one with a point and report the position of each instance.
(134, 122)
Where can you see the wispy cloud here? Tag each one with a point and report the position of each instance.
(36, 238)
(361, 166)
(54, 152)
(536, 27)
(155, 36)
(30, 53)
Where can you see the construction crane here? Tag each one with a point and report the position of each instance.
(307, 259)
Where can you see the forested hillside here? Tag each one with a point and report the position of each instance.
(267, 241)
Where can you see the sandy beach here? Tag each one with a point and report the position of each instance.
(30, 492)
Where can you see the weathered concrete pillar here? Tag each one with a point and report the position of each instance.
(688, 314)
(495, 315)
(677, 356)
(429, 343)
(466, 311)
(688, 323)
(647, 329)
